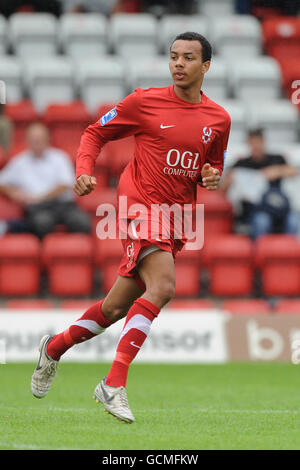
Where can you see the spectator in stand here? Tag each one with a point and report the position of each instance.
(8, 7)
(106, 7)
(161, 7)
(41, 179)
(254, 187)
(6, 133)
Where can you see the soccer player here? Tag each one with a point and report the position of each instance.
(180, 140)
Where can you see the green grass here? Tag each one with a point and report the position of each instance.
(232, 406)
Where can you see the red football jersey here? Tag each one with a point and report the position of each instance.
(173, 140)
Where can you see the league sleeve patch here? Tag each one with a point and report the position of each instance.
(108, 116)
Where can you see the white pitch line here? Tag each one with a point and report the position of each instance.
(159, 410)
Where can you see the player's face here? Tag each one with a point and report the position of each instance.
(186, 66)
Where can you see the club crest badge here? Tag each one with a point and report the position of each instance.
(206, 134)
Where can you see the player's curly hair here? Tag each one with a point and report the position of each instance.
(191, 36)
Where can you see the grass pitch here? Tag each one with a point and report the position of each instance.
(231, 406)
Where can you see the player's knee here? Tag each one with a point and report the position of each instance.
(112, 312)
(163, 291)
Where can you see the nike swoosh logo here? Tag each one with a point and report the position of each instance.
(135, 345)
(165, 127)
(105, 394)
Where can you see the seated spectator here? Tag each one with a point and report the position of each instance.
(6, 132)
(105, 7)
(41, 179)
(254, 187)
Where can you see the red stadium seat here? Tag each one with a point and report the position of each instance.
(109, 274)
(278, 258)
(31, 304)
(281, 36)
(187, 279)
(22, 114)
(290, 68)
(195, 304)
(77, 304)
(116, 154)
(107, 251)
(246, 306)
(67, 123)
(288, 306)
(19, 264)
(229, 260)
(9, 209)
(68, 260)
(217, 212)
(99, 196)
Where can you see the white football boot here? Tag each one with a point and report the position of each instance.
(44, 372)
(114, 400)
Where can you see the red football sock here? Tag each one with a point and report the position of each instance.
(135, 331)
(92, 323)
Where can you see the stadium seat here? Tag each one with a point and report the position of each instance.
(117, 154)
(99, 196)
(107, 251)
(83, 35)
(236, 36)
(215, 84)
(238, 130)
(247, 306)
(9, 210)
(67, 123)
(11, 75)
(290, 68)
(255, 78)
(278, 259)
(229, 258)
(188, 271)
(171, 25)
(3, 35)
(133, 35)
(211, 7)
(217, 212)
(279, 119)
(148, 73)
(33, 34)
(100, 81)
(109, 274)
(49, 81)
(288, 306)
(32, 304)
(68, 262)
(281, 36)
(77, 304)
(22, 115)
(19, 265)
(187, 279)
(195, 304)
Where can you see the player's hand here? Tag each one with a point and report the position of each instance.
(210, 177)
(84, 185)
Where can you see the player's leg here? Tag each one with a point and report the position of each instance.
(93, 322)
(158, 273)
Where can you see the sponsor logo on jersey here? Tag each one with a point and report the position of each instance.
(108, 116)
(206, 134)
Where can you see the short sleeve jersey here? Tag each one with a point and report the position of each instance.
(173, 140)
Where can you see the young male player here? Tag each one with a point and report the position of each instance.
(176, 128)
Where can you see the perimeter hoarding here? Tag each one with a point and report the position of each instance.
(188, 336)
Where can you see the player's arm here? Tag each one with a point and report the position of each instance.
(212, 170)
(121, 121)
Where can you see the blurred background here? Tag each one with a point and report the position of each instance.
(66, 63)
